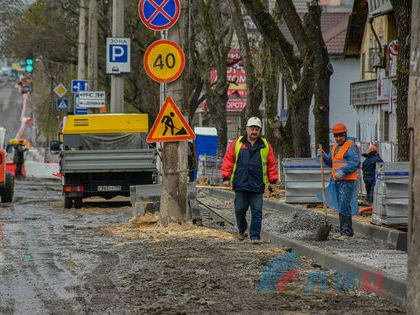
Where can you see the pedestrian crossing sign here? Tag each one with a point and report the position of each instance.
(170, 125)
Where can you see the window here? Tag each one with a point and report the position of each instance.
(385, 126)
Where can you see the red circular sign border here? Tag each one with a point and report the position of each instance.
(159, 28)
(149, 72)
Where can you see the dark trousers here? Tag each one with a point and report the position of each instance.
(18, 172)
(346, 225)
(369, 192)
(244, 200)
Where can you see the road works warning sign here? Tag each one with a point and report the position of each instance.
(170, 125)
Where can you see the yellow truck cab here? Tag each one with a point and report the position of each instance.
(103, 155)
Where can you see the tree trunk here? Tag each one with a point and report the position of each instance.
(173, 201)
(413, 266)
(322, 73)
(254, 92)
(218, 36)
(297, 71)
(299, 112)
(402, 13)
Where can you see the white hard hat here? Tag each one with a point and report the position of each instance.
(254, 121)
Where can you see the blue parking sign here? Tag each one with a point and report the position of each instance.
(118, 53)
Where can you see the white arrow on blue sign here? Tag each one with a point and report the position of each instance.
(62, 104)
(79, 86)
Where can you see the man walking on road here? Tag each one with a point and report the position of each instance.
(342, 192)
(248, 165)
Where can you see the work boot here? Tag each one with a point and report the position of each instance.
(242, 236)
(255, 241)
(344, 237)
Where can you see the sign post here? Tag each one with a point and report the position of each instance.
(164, 62)
(118, 57)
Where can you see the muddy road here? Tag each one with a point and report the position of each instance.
(92, 260)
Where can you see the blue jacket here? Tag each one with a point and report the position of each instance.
(248, 174)
(352, 158)
(369, 167)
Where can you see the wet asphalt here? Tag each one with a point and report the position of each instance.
(60, 261)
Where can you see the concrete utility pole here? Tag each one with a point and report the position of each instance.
(413, 282)
(173, 201)
(81, 64)
(93, 46)
(117, 82)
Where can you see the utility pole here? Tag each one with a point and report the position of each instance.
(173, 201)
(81, 64)
(93, 46)
(117, 81)
(413, 277)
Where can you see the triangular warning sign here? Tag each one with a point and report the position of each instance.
(170, 125)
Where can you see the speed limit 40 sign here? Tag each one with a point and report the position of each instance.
(164, 61)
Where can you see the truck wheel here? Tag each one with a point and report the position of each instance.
(9, 190)
(68, 202)
(78, 202)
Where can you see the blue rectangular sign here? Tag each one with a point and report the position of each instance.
(118, 53)
(80, 111)
(79, 86)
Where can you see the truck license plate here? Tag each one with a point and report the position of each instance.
(109, 188)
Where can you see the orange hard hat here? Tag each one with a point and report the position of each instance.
(373, 148)
(339, 128)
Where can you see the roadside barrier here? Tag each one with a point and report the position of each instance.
(390, 200)
(303, 179)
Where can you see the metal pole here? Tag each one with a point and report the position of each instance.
(81, 64)
(93, 49)
(93, 45)
(117, 81)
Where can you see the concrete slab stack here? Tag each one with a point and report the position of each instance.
(390, 200)
(303, 180)
(146, 198)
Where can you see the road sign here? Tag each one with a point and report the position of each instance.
(91, 99)
(63, 104)
(170, 125)
(118, 53)
(159, 14)
(80, 111)
(79, 86)
(60, 90)
(164, 61)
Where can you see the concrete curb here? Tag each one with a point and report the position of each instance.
(364, 275)
(394, 238)
(395, 288)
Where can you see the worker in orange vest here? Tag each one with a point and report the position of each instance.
(342, 193)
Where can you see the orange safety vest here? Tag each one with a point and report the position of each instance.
(339, 161)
